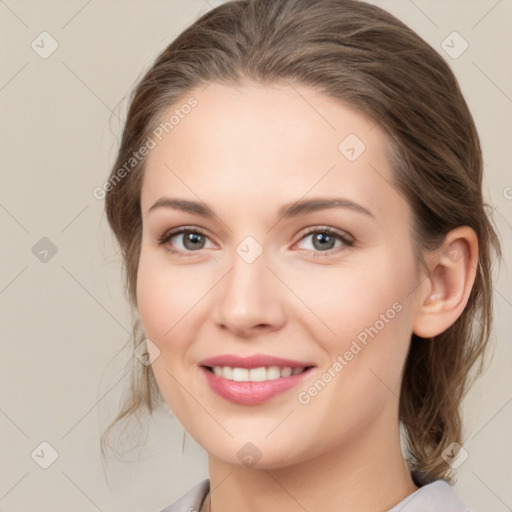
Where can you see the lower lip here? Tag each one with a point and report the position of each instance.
(251, 393)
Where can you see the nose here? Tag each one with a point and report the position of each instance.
(249, 299)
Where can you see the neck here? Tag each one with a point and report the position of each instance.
(365, 474)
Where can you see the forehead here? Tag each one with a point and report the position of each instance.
(275, 141)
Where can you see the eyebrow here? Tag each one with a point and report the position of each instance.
(300, 207)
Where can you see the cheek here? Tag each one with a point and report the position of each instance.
(154, 299)
(163, 301)
(362, 321)
(165, 295)
(351, 302)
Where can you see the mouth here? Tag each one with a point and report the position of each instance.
(252, 380)
(259, 374)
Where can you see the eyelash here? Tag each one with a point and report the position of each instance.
(348, 242)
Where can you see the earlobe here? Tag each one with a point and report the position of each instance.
(447, 287)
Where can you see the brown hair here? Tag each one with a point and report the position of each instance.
(359, 54)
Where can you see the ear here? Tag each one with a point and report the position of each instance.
(445, 290)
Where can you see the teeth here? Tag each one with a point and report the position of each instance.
(240, 374)
(257, 374)
(287, 371)
(254, 374)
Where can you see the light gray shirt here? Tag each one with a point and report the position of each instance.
(437, 496)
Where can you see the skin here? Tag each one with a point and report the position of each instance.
(245, 152)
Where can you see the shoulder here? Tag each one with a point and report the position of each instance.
(437, 496)
(192, 500)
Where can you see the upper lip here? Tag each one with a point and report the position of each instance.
(254, 361)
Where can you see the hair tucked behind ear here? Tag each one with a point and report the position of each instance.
(366, 58)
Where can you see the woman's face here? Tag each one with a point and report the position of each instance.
(256, 282)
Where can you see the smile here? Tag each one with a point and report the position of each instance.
(252, 380)
(255, 374)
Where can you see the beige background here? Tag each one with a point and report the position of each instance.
(64, 320)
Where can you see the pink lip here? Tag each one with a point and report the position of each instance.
(254, 361)
(251, 393)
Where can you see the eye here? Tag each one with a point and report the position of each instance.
(325, 239)
(186, 240)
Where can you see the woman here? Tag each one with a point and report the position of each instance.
(297, 197)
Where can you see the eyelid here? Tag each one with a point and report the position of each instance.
(171, 233)
(180, 229)
(330, 230)
(346, 239)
